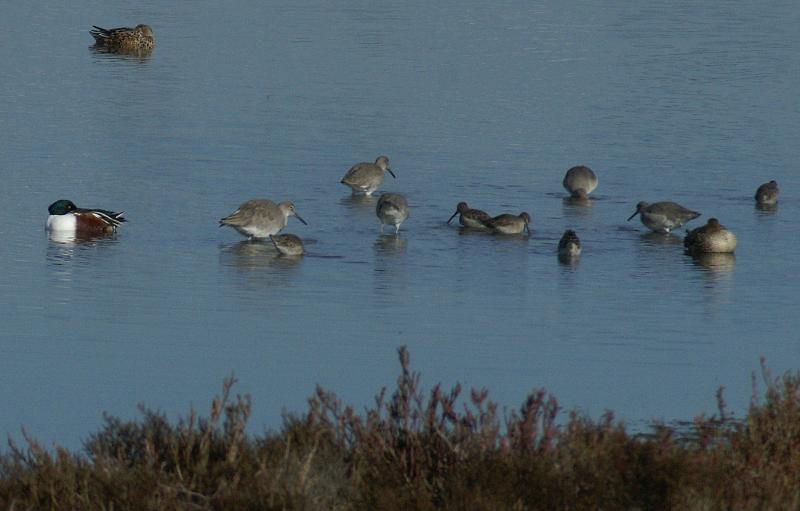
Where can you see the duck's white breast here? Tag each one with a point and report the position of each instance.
(61, 222)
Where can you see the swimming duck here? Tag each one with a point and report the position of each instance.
(66, 217)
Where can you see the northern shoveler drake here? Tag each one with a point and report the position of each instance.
(366, 177)
(123, 38)
(260, 218)
(66, 217)
(472, 218)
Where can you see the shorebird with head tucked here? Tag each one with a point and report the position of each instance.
(767, 194)
(140, 37)
(259, 218)
(366, 177)
(473, 218)
(392, 209)
(663, 216)
(288, 244)
(710, 238)
(510, 224)
(580, 181)
(569, 245)
(66, 217)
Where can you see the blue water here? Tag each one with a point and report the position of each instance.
(484, 102)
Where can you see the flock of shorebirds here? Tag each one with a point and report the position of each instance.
(259, 219)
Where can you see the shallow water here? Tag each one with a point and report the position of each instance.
(487, 103)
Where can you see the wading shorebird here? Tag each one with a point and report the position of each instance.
(569, 245)
(259, 218)
(767, 194)
(510, 224)
(288, 244)
(123, 38)
(580, 181)
(712, 238)
(392, 209)
(66, 217)
(473, 218)
(663, 216)
(366, 177)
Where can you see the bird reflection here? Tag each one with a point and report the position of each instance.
(389, 269)
(77, 238)
(569, 260)
(140, 54)
(718, 263)
(359, 201)
(659, 238)
(576, 206)
(250, 255)
(766, 209)
(391, 244)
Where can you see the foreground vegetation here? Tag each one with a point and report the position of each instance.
(416, 450)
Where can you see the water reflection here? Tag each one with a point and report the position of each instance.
(569, 260)
(68, 252)
(142, 55)
(249, 255)
(577, 207)
(469, 231)
(658, 238)
(390, 244)
(389, 268)
(719, 264)
(767, 209)
(359, 202)
(77, 238)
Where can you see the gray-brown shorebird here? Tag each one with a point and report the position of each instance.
(366, 177)
(663, 216)
(473, 218)
(580, 181)
(510, 224)
(288, 244)
(392, 209)
(569, 245)
(767, 194)
(259, 218)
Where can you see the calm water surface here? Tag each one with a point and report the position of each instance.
(484, 102)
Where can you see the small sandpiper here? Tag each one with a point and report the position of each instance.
(569, 245)
(767, 194)
(66, 217)
(366, 177)
(473, 218)
(710, 238)
(510, 224)
(124, 38)
(288, 244)
(580, 181)
(663, 216)
(392, 209)
(259, 218)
